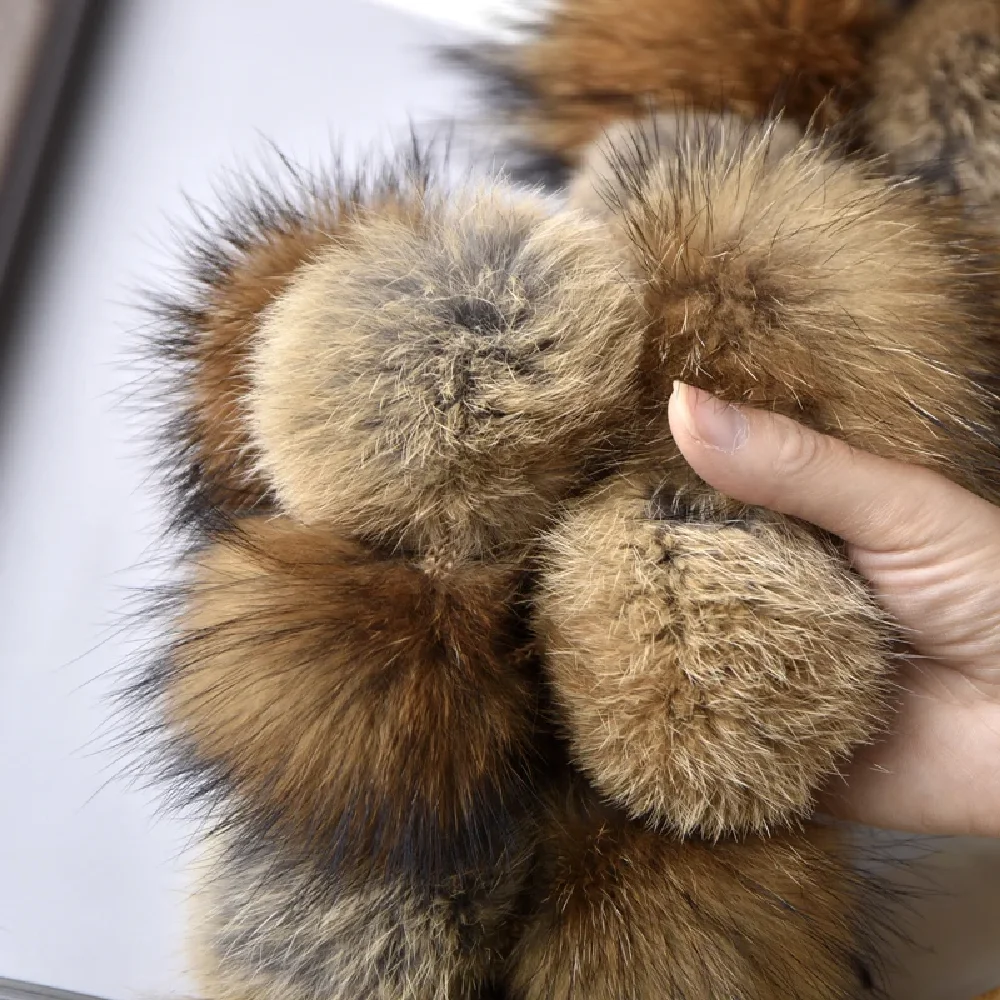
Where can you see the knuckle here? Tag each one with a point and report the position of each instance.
(800, 451)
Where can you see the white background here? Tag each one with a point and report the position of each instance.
(91, 883)
(473, 15)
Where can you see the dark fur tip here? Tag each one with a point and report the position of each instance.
(190, 358)
(506, 98)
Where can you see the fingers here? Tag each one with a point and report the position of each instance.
(770, 461)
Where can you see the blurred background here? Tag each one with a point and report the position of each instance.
(111, 114)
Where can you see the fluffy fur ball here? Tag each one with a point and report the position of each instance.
(236, 262)
(375, 712)
(591, 63)
(710, 671)
(439, 383)
(935, 108)
(624, 912)
(802, 283)
(276, 926)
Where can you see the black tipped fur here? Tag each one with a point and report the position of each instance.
(253, 210)
(505, 93)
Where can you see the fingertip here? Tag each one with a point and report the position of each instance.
(709, 434)
(701, 419)
(787, 467)
(678, 414)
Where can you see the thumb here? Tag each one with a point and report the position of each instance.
(768, 460)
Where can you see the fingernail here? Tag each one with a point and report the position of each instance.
(714, 423)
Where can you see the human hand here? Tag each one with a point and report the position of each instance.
(931, 552)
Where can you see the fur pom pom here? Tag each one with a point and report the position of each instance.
(626, 912)
(936, 104)
(273, 927)
(801, 283)
(590, 63)
(375, 712)
(710, 675)
(237, 260)
(440, 384)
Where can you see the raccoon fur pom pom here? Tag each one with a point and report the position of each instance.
(589, 64)
(272, 924)
(711, 672)
(481, 692)
(936, 104)
(441, 383)
(775, 273)
(235, 262)
(375, 710)
(622, 911)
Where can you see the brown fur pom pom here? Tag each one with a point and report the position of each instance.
(626, 912)
(802, 284)
(374, 711)
(441, 384)
(591, 63)
(710, 675)
(935, 109)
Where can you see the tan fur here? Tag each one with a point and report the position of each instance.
(623, 912)
(241, 262)
(361, 705)
(936, 103)
(710, 675)
(271, 929)
(596, 187)
(804, 285)
(440, 385)
(594, 62)
(222, 351)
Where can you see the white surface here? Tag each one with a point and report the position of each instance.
(91, 888)
(475, 15)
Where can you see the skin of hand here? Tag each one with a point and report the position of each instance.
(931, 553)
